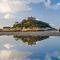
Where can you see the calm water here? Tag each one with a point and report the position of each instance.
(29, 48)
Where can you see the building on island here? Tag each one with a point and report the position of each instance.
(11, 29)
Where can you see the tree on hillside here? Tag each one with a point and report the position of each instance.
(31, 22)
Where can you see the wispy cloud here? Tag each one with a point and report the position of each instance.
(14, 6)
(10, 8)
(49, 4)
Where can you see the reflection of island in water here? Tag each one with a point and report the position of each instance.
(31, 39)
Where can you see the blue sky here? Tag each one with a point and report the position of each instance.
(15, 10)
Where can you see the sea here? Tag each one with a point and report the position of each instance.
(29, 47)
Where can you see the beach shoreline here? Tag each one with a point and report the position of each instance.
(38, 33)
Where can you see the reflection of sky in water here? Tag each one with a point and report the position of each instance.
(14, 55)
(48, 49)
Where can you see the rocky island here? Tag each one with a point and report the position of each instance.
(30, 24)
(30, 27)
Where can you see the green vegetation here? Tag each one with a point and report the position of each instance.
(31, 40)
(31, 22)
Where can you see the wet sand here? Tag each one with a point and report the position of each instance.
(40, 33)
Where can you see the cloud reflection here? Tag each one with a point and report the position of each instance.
(52, 55)
(14, 55)
(8, 46)
(47, 57)
(55, 54)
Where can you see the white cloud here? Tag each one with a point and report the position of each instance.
(14, 6)
(9, 8)
(4, 7)
(57, 6)
(9, 16)
(49, 4)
